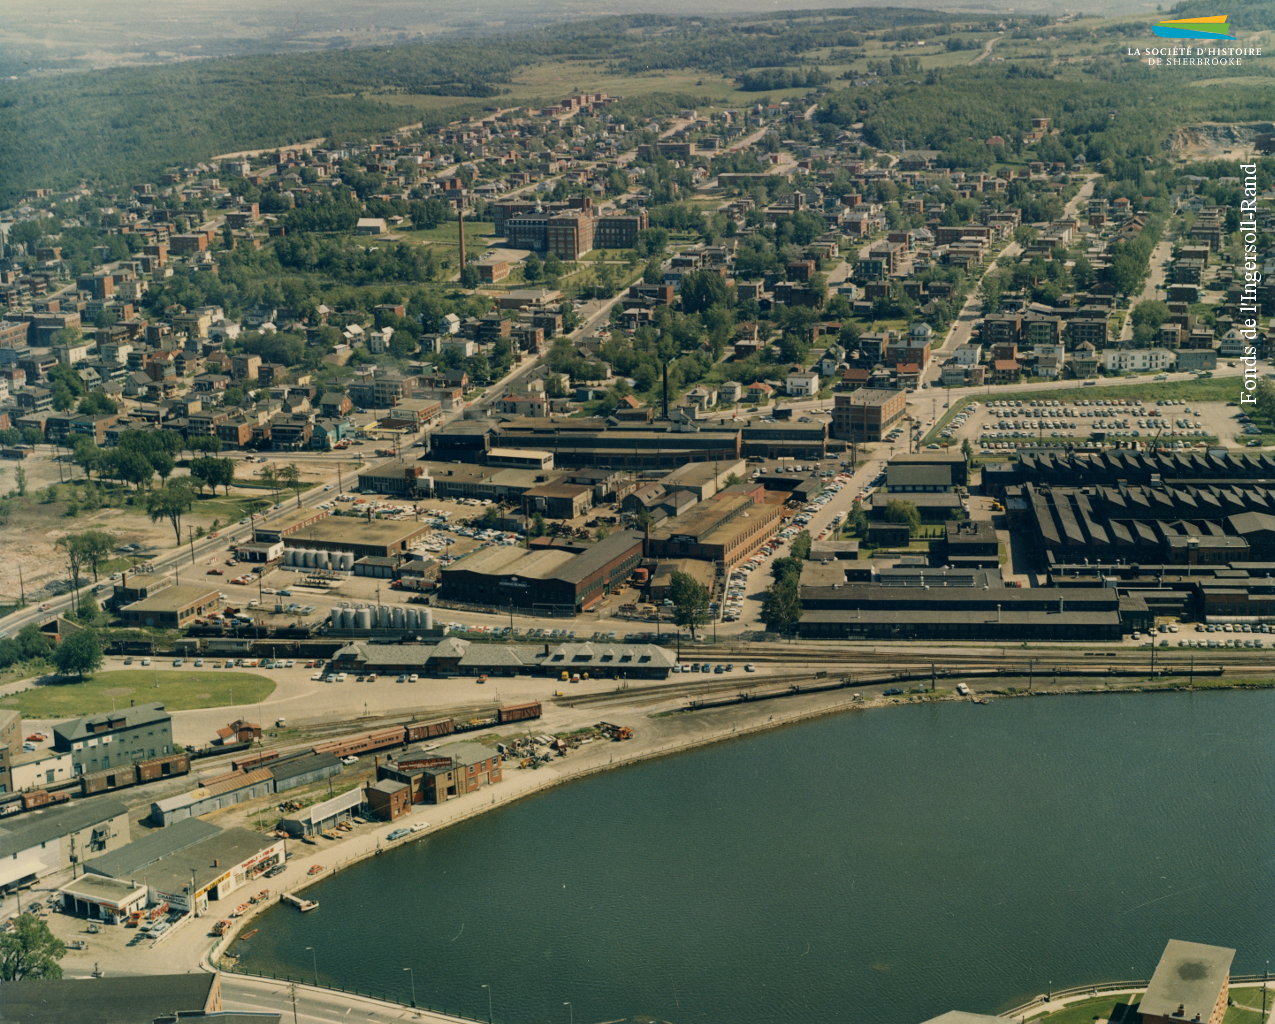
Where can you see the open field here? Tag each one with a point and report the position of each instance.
(1086, 1011)
(178, 690)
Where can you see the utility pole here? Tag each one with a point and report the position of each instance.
(294, 1002)
(22, 587)
(190, 532)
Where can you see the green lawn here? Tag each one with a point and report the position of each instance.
(178, 690)
(1086, 1011)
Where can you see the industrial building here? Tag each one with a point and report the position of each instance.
(320, 816)
(867, 414)
(726, 530)
(303, 770)
(129, 999)
(191, 857)
(389, 800)
(117, 738)
(453, 656)
(403, 478)
(173, 607)
(954, 604)
(357, 537)
(548, 580)
(41, 842)
(1191, 983)
(437, 775)
(223, 791)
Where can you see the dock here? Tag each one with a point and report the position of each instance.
(302, 905)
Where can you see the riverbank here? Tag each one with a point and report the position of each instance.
(661, 727)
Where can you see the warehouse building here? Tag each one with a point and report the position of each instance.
(546, 580)
(172, 607)
(130, 999)
(726, 530)
(41, 842)
(191, 857)
(453, 656)
(116, 738)
(403, 478)
(273, 533)
(867, 414)
(1192, 982)
(330, 812)
(303, 769)
(437, 775)
(224, 791)
(381, 538)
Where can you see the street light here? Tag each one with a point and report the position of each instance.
(572, 1011)
(412, 974)
(488, 988)
(314, 959)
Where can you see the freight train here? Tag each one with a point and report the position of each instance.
(414, 732)
(134, 774)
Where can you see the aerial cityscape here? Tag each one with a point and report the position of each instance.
(523, 515)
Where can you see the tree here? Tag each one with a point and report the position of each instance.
(89, 611)
(799, 546)
(532, 269)
(781, 607)
(20, 479)
(857, 520)
(537, 525)
(171, 502)
(270, 478)
(95, 546)
(654, 272)
(690, 601)
(554, 388)
(290, 477)
(79, 654)
(967, 450)
(490, 515)
(162, 463)
(30, 951)
(904, 512)
(701, 289)
(73, 547)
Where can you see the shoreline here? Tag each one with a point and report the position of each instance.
(706, 727)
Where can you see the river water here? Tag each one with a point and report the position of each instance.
(876, 867)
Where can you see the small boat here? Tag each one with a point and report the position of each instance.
(220, 927)
(248, 935)
(979, 700)
(315, 869)
(259, 897)
(240, 910)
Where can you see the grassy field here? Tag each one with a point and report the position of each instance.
(178, 691)
(1086, 1011)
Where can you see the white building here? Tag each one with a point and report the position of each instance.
(802, 383)
(968, 355)
(1137, 359)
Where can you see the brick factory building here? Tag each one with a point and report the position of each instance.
(565, 581)
(727, 529)
(867, 414)
(438, 775)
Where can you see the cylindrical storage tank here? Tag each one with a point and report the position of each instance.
(347, 618)
(347, 560)
(322, 559)
(336, 618)
(400, 621)
(363, 618)
(278, 607)
(386, 615)
(288, 556)
(308, 555)
(409, 618)
(427, 618)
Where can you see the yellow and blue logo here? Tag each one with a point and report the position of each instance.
(1215, 27)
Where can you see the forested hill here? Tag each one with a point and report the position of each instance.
(115, 125)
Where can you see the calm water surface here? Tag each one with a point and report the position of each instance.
(879, 867)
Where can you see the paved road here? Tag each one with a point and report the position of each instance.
(315, 1005)
(987, 49)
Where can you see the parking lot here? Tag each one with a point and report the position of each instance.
(1005, 424)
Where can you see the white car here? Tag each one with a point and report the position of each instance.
(350, 760)
(750, 667)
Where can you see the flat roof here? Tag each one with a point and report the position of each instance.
(358, 531)
(50, 823)
(208, 860)
(961, 1017)
(869, 396)
(152, 847)
(1190, 975)
(123, 1000)
(102, 888)
(517, 453)
(174, 599)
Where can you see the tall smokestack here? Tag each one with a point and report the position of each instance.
(666, 390)
(461, 209)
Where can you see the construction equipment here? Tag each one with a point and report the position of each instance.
(615, 732)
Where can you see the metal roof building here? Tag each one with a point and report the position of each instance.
(41, 842)
(123, 1000)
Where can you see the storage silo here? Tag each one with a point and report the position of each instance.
(400, 621)
(409, 618)
(347, 618)
(427, 618)
(336, 618)
(386, 616)
(322, 560)
(287, 556)
(363, 618)
(347, 560)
